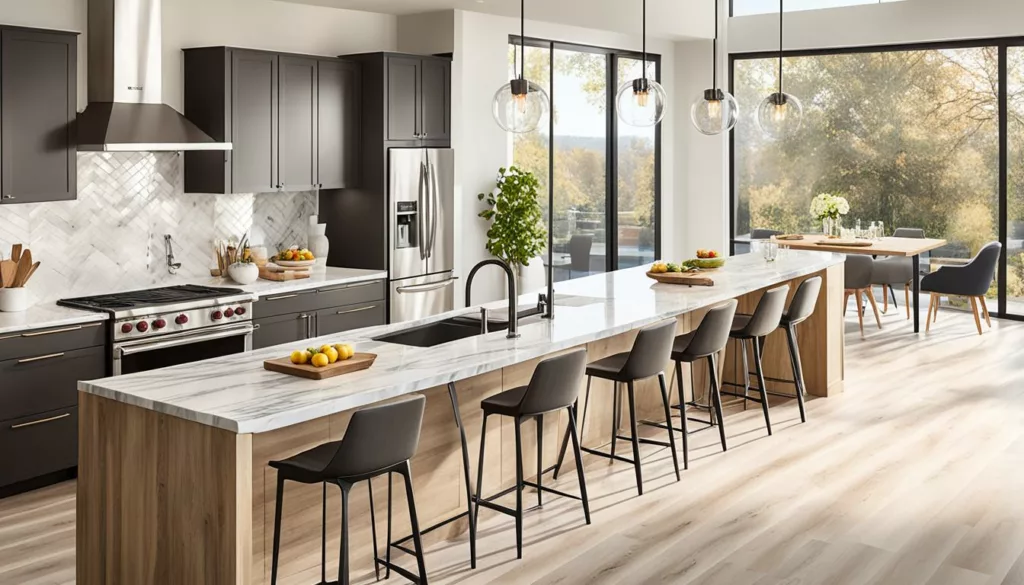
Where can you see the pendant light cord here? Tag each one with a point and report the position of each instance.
(643, 65)
(781, 19)
(522, 37)
(714, 54)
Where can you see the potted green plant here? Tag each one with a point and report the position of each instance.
(517, 234)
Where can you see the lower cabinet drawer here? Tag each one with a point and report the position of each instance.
(282, 329)
(43, 382)
(340, 319)
(39, 444)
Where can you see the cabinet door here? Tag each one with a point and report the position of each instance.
(47, 380)
(281, 329)
(338, 132)
(349, 317)
(253, 122)
(403, 91)
(297, 109)
(436, 100)
(39, 96)
(39, 444)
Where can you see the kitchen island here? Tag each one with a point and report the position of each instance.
(173, 478)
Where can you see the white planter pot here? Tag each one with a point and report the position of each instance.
(243, 273)
(13, 299)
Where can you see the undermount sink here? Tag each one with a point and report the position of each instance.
(437, 333)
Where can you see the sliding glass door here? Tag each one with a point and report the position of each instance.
(603, 176)
(1015, 180)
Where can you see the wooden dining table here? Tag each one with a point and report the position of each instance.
(901, 247)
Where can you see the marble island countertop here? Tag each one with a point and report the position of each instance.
(49, 314)
(238, 395)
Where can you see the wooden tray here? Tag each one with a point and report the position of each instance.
(282, 276)
(846, 243)
(789, 238)
(687, 278)
(359, 361)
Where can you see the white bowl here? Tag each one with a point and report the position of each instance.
(243, 273)
(13, 299)
(295, 263)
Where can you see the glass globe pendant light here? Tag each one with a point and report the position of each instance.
(715, 111)
(520, 104)
(641, 102)
(780, 114)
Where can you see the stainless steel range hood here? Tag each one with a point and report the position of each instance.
(125, 111)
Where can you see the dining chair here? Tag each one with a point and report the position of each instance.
(858, 282)
(891, 271)
(971, 280)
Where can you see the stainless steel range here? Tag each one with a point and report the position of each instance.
(161, 327)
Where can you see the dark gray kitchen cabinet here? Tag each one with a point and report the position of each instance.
(347, 318)
(38, 99)
(436, 100)
(285, 128)
(297, 114)
(293, 317)
(418, 98)
(339, 104)
(281, 329)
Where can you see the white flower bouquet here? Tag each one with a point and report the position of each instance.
(829, 206)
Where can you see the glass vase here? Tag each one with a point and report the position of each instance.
(830, 227)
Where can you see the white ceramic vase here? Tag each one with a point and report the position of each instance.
(13, 300)
(243, 273)
(319, 245)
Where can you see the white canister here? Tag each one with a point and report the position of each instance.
(243, 273)
(13, 299)
(319, 245)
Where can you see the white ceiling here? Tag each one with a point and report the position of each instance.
(675, 19)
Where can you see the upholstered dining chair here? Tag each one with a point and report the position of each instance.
(858, 282)
(763, 234)
(971, 280)
(892, 271)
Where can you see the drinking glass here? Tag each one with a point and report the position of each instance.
(769, 250)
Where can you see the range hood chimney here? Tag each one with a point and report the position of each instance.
(125, 111)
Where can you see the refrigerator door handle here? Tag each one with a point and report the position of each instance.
(421, 212)
(418, 288)
(435, 192)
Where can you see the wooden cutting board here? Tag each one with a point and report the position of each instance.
(357, 362)
(686, 278)
(282, 276)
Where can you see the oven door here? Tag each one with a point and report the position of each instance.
(142, 355)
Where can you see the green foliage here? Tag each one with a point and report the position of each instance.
(517, 233)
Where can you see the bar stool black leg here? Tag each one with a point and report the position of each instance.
(373, 530)
(579, 463)
(668, 423)
(343, 553)
(277, 530)
(636, 440)
(716, 397)
(387, 553)
(540, 459)
(406, 472)
(616, 416)
(453, 397)
(323, 539)
(746, 372)
(761, 385)
(682, 415)
(480, 471)
(519, 488)
(798, 371)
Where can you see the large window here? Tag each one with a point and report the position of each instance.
(911, 137)
(603, 176)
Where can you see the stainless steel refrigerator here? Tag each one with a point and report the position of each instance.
(421, 225)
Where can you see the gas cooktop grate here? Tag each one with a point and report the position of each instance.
(149, 297)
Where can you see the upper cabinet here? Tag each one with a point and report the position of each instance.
(436, 100)
(38, 99)
(292, 121)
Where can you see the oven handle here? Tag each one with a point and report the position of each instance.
(124, 350)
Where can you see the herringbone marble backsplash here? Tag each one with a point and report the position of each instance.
(112, 237)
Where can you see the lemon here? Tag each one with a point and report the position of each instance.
(320, 360)
(332, 354)
(298, 357)
(345, 351)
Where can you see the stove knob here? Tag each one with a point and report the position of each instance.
(127, 328)
(142, 326)
(159, 324)
(240, 311)
(229, 312)
(181, 319)
(217, 315)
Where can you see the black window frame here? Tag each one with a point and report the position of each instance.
(1002, 44)
(611, 137)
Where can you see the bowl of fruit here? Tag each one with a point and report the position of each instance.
(326, 361)
(707, 260)
(294, 257)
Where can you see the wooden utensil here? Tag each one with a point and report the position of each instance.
(359, 361)
(16, 253)
(8, 269)
(31, 271)
(24, 266)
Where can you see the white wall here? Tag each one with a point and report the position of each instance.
(479, 69)
(258, 24)
(428, 33)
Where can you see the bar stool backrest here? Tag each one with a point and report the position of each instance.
(555, 383)
(651, 351)
(768, 314)
(712, 334)
(379, 437)
(806, 297)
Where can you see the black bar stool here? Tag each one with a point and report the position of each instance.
(379, 440)
(703, 343)
(754, 328)
(553, 387)
(651, 351)
(800, 309)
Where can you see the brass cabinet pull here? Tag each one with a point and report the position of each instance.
(51, 332)
(367, 308)
(278, 298)
(41, 421)
(40, 358)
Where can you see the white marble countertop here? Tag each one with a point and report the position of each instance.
(238, 395)
(49, 314)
